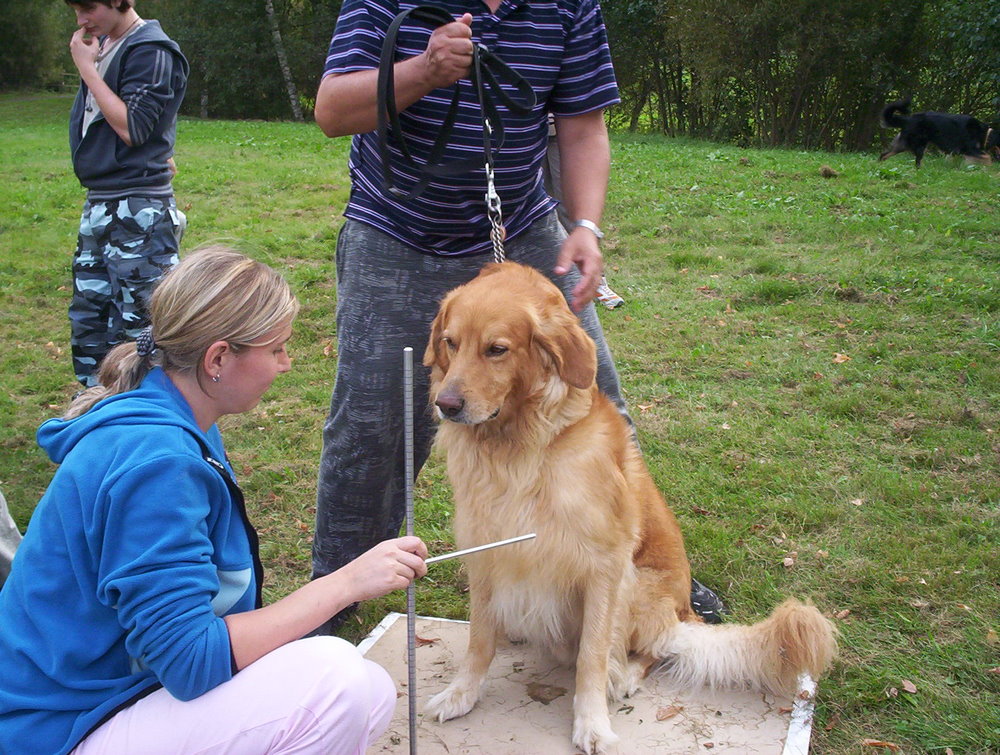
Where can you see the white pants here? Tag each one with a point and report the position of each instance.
(317, 695)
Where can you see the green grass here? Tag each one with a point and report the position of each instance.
(813, 364)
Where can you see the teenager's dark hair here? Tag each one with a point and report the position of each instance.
(122, 5)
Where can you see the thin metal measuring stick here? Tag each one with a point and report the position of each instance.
(411, 593)
(476, 549)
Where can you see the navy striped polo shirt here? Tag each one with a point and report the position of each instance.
(559, 46)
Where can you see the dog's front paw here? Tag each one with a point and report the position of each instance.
(456, 700)
(593, 735)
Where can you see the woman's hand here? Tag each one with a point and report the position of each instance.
(390, 565)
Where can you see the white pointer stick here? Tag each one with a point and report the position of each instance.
(467, 551)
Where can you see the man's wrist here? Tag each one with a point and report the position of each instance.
(590, 225)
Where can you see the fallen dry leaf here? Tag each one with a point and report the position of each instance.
(421, 641)
(544, 693)
(783, 709)
(909, 686)
(892, 692)
(669, 711)
(842, 614)
(993, 670)
(839, 358)
(880, 743)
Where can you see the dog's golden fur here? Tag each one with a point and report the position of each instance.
(533, 446)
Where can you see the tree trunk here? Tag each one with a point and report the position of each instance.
(286, 72)
(203, 100)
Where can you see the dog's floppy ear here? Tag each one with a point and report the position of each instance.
(559, 333)
(436, 352)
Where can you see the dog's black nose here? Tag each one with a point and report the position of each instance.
(449, 404)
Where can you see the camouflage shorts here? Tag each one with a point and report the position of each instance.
(124, 247)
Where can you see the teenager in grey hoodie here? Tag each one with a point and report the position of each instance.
(121, 133)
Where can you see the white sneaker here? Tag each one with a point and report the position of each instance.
(607, 297)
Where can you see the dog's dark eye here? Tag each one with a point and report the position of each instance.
(496, 350)
(448, 342)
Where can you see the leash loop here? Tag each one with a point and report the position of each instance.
(487, 75)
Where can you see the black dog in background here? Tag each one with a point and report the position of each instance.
(952, 134)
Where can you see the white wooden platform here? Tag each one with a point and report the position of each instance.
(526, 707)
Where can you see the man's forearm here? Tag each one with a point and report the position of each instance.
(585, 156)
(347, 103)
(114, 110)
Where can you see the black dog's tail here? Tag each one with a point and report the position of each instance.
(893, 114)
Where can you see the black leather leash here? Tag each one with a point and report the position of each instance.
(487, 74)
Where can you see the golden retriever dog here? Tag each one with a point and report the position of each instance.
(533, 446)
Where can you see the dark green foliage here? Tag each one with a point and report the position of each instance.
(35, 34)
(812, 74)
(807, 73)
(234, 66)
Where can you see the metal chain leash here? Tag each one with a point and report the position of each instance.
(493, 209)
(496, 217)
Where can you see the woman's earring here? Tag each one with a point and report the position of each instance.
(216, 378)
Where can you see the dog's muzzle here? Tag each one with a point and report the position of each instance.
(451, 406)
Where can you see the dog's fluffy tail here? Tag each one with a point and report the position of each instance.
(769, 655)
(894, 114)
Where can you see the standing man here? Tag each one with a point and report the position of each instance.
(398, 256)
(121, 132)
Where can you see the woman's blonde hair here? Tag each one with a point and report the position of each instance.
(213, 294)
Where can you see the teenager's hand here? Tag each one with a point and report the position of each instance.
(448, 56)
(390, 565)
(83, 48)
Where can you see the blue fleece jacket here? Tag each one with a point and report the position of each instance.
(149, 74)
(135, 552)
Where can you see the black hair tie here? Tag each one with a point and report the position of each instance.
(144, 344)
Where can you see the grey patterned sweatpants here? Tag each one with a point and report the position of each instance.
(123, 248)
(387, 296)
